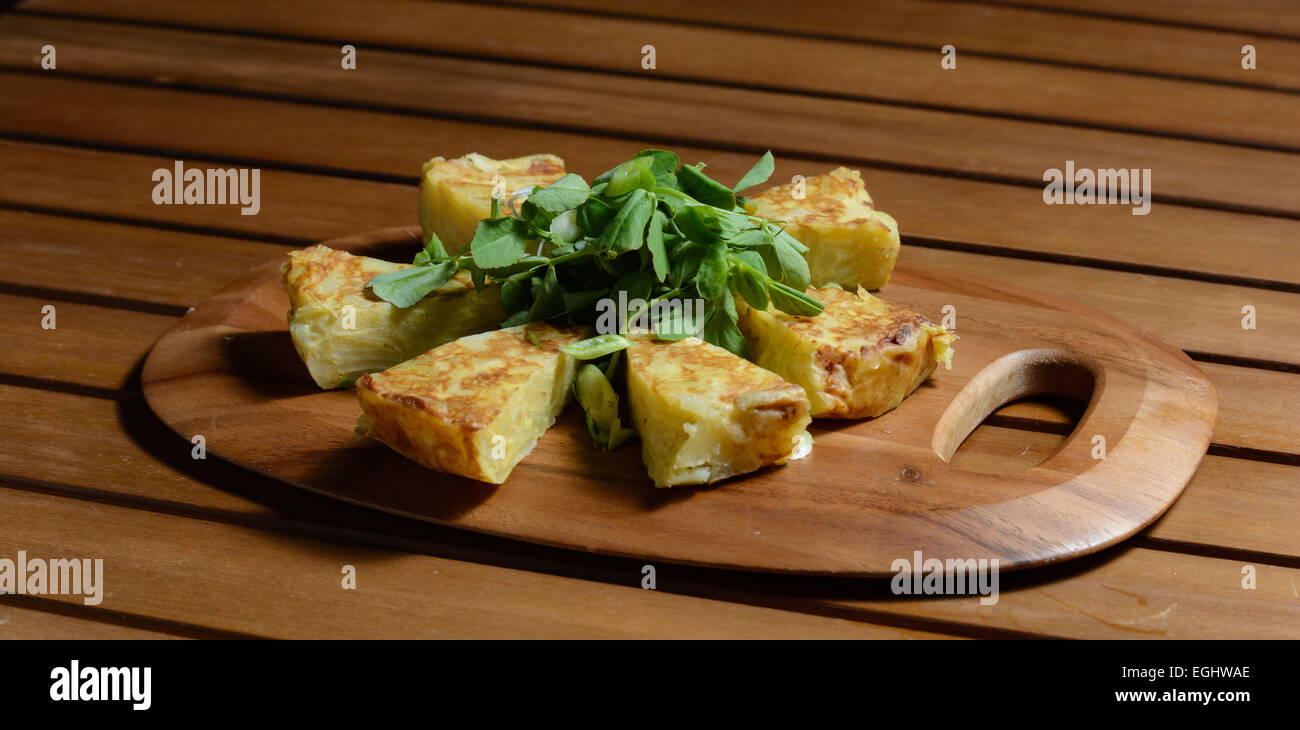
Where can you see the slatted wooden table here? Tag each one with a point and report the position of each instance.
(200, 548)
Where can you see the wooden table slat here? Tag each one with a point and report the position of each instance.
(956, 156)
(161, 566)
(1265, 17)
(17, 622)
(102, 347)
(155, 565)
(122, 449)
(670, 111)
(870, 72)
(1009, 218)
(314, 207)
(1008, 32)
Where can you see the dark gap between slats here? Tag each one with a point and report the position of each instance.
(363, 175)
(501, 552)
(1159, 22)
(704, 142)
(791, 33)
(700, 81)
(121, 618)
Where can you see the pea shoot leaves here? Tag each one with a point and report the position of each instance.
(498, 242)
(406, 287)
(758, 174)
(648, 229)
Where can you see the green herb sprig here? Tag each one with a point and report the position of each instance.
(650, 227)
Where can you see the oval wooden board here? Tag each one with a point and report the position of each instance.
(870, 493)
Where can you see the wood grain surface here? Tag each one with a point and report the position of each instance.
(957, 157)
(869, 495)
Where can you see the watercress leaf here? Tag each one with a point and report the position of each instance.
(685, 263)
(667, 181)
(577, 299)
(721, 329)
(596, 347)
(794, 269)
(637, 284)
(750, 238)
(779, 233)
(514, 294)
(654, 242)
(568, 192)
(434, 247)
(751, 259)
(594, 215)
(405, 287)
(548, 300)
(498, 242)
(793, 301)
(523, 263)
(626, 232)
(750, 285)
(704, 223)
(672, 198)
(660, 162)
(522, 316)
(786, 263)
(704, 188)
(711, 281)
(757, 174)
(433, 251)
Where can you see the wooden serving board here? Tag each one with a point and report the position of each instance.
(870, 493)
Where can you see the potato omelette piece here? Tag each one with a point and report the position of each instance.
(857, 359)
(456, 194)
(849, 242)
(474, 407)
(704, 414)
(342, 331)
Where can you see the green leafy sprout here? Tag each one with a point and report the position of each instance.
(652, 228)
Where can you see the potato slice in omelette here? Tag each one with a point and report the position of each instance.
(474, 407)
(342, 331)
(857, 359)
(849, 242)
(456, 194)
(704, 414)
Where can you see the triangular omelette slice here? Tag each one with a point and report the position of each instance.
(704, 414)
(456, 194)
(474, 407)
(342, 331)
(849, 242)
(857, 359)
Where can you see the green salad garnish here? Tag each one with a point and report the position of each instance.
(651, 228)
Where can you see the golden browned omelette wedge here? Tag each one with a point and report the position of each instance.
(858, 359)
(342, 331)
(704, 414)
(456, 194)
(849, 242)
(474, 407)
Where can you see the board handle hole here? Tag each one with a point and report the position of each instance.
(1016, 412)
